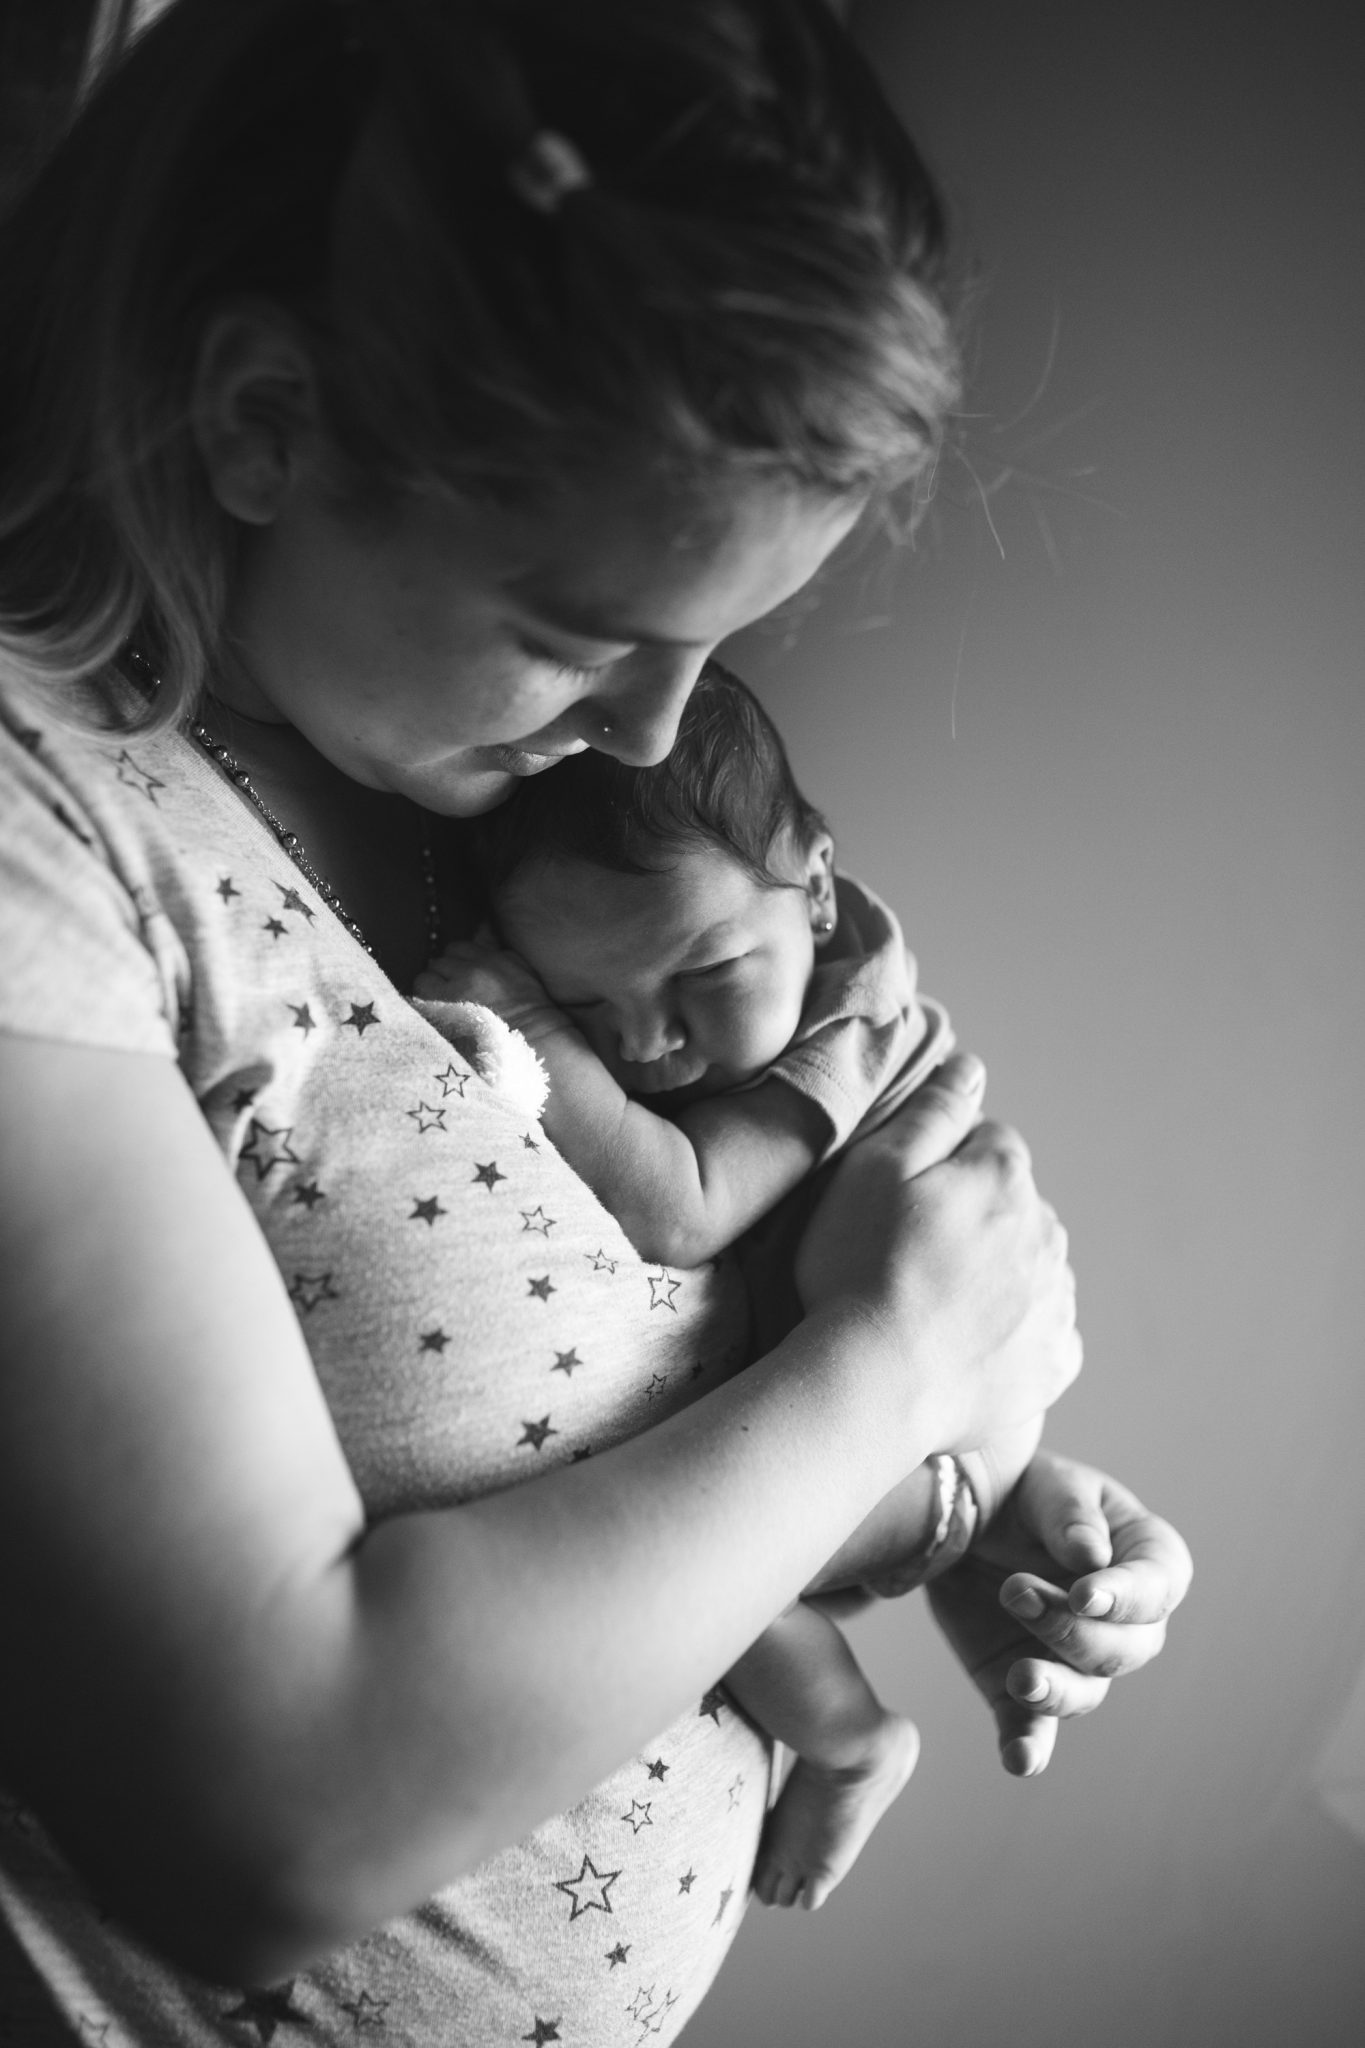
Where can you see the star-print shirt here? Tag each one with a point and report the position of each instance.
(474, 1317)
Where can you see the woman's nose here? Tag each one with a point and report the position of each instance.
(647, 1033)
(634, 717)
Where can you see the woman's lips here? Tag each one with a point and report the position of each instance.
(527, 761)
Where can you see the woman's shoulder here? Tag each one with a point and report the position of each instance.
(78, 875)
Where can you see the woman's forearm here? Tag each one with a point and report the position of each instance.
(474, 1670)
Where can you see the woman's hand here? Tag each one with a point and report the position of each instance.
(959, 1264)
(1073, 1562)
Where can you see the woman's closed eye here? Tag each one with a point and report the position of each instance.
(561, 664)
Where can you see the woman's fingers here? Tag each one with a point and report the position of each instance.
(932, 1124)
(1091, 1648)
(1129, 1564)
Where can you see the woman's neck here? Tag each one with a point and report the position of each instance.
(387, 861)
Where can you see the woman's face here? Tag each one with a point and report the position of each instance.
(459, 647)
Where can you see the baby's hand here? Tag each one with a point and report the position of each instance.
(480, 971)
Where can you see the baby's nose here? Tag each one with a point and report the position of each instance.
(648, 1034)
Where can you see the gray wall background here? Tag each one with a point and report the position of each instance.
(1100, 737)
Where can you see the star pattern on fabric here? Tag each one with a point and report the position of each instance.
(657, 1383)
(588, 1873)
(275, 928)
(487, 1175)
(361, 1017)
(64, 817)
(529, 1142)
(658, 1769)
(565, 1361)
(137, 778)
(426, 1118)
(303, 1018)
(542, 1288)
(306, 1194)
(733, 1791)
(452, 1081)
(267, 2010)
(433, 1340)
(619, 1953)
(584, 1451)
(545, 2030)
(725, 1899)
(366, 2014)
(712, 1702)
(291, 900)
(268, 1146)
(662, 1288)
(306, 1290)
(225, 888)
(536, 1219)
(599, 1261)
(641, 2003)
(535, 1433)
(243, 1099)
(426, 1210)
(639, 1815)
(652, 2020)
(687, 1880)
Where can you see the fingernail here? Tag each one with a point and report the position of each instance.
(1097, 1601)
(1017, 1758)
(1027, 1603)
(1035, 1692)
(973, 1073)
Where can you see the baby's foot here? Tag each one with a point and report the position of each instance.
(825, 1813)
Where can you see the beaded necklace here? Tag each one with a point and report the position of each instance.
(289, 840)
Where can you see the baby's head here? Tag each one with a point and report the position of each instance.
(674, 912)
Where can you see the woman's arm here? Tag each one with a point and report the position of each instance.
(681, 1187)
(303, 1726)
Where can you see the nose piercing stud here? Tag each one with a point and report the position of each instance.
(823, 927)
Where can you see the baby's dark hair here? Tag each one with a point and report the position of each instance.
(726, 783)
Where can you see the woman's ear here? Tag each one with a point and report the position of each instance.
(254, 410)
(824, 911)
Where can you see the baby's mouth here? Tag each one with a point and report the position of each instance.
(675, 1072)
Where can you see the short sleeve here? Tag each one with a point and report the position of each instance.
(77, 963)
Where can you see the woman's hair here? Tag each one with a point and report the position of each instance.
(726, 783)
(736, 272)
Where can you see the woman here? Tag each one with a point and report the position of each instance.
(396, 398)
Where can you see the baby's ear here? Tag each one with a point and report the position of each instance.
(824, 912)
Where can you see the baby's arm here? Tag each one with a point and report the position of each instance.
(681, 1187)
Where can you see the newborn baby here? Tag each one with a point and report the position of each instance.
(717, 1014)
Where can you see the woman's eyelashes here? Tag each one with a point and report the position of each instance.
(560, 664)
